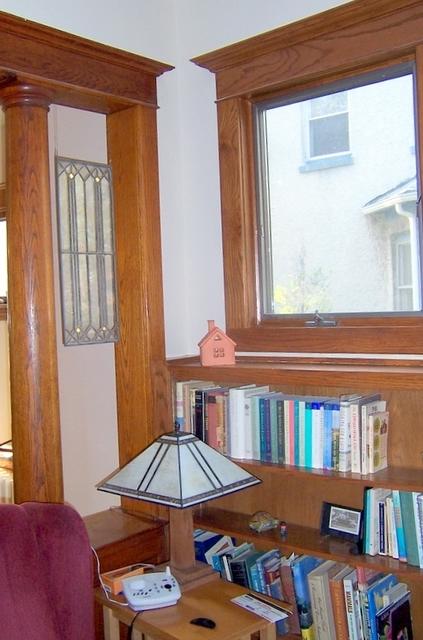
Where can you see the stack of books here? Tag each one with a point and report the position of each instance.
(393, 524)
(342, 433)
(332, 600)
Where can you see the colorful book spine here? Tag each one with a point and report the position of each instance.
(350, 591)
(280, 413)
(263, 558)
(402, 552)
(290, 431)
(418, 523)
(391, 529)
(274, 430)
(211, 431)
(407, 515)
(336, 588)
(335, 437)
(321, 603)
(296, 432)
(255, 426)
(327, 435)
(289, 593)
(345, 433)
(265, 436)
(375, 600)
(302, 432)
(199, 429)
(221, 422)
(301, 567)
(378, 425)
(308, 440)
(317, 439)
(366, 409)
(357, 428)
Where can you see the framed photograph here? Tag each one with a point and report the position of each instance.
(342, 522)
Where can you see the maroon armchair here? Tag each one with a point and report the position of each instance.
(46, 582)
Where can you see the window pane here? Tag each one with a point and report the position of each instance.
(328, 232)
(329, 135)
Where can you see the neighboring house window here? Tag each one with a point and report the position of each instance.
(328, 128)
(402, 272)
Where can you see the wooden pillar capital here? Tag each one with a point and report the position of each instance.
(19, 94)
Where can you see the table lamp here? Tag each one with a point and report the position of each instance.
(180, 471)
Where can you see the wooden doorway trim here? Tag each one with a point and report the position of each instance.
(81, 73)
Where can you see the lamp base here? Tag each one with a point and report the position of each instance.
(200, 573)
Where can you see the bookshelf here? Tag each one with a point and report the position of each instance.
(295, 494)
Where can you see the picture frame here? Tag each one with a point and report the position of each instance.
(342, 522)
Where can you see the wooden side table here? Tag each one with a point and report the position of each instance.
(211, 600)
(121, 538)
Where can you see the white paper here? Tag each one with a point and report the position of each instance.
(260, 608)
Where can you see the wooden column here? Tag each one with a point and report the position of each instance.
(141, 374)
(33, 354)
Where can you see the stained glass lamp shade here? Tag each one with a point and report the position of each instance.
(180, 471)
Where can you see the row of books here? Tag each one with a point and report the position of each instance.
(343, 433)
(332, 600)
(393, 524)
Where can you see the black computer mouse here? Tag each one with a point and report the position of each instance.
(204, 622)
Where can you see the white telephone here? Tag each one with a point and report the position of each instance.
(151, 590)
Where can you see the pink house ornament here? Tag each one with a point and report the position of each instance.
(216, 348)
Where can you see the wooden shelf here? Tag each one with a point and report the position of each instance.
(301, 540)
(296, 494)
(401, 478)
(365, 374)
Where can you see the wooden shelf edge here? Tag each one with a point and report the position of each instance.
(354, 374)
(402, 478)
(299, 539)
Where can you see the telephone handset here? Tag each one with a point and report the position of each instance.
(151, 590)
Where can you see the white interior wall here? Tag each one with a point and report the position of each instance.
(172, 31)
(86, 373)
(193, 270)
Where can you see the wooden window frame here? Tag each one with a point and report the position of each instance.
(358, 37)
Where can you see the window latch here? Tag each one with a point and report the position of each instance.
(320, 321)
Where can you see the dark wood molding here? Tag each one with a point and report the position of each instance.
(348, 36)
(351, 13)
(80, 72)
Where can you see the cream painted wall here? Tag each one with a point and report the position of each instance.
(86, 373)
(172, 31)
(192, 251)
